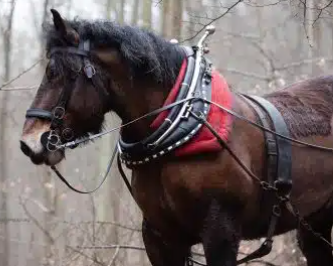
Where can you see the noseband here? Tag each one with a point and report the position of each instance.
(52, 139)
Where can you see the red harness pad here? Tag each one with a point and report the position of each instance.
(204, 140)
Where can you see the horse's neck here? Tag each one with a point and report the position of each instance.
(140, 100)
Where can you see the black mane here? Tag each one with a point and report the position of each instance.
(144, 51)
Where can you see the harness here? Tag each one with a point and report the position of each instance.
(278, 165)
(179, 126)
(187, 115)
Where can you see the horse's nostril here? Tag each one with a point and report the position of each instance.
(44, 138)
(25, 148)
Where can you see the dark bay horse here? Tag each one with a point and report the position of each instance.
(189, 198)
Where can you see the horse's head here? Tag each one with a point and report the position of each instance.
(92, 69)
(72, 98)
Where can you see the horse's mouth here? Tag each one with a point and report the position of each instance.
(49, 158)
(45, 157)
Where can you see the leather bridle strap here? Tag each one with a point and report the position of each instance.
(40, 113)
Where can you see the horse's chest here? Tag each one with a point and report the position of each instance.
(149, 195)
(163, 198)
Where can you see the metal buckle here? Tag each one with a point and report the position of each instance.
(187, 112)
(59, 112)
(89, 69)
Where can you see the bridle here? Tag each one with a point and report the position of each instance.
(52, 139)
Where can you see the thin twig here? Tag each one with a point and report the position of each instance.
(114, 256)
(321, 11)
(21, 74)
(20, 88)
(245, 74)
(85, 255)
(26, 220)
(212, 21)
(303, 62)
(265, 5)
(110, 247)
(36, 222)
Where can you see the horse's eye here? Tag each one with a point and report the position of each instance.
(50, 70)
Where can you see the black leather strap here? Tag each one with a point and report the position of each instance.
(39, 113)
(71, 50)
(270, 141)
(283, 181)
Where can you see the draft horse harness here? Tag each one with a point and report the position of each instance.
(187, 115)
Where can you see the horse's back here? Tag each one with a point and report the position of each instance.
(306, 106)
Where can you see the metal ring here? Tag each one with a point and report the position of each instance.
(67, 134)
(51, 147)
(53, 139)
(59, 112)
(89, 66)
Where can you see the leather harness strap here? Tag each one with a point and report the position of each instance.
(278, 165)
(283, 181)
(270, 141)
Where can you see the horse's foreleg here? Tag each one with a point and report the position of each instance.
(220, 237)
(161, 252)
(316, 251)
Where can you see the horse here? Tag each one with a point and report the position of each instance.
(199, 170)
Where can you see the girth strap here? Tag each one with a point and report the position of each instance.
(278, 152)
(270, 140)
(283, 182)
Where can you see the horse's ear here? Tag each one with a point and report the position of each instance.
(68, 33)
(58, 22)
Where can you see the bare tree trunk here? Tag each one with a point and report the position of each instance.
(108, 9)
(111, 6)
(317, 39)
(7, 50)
(147, 14)
(309, 29)
(189, 10)
(177, 18)
(166, 19)
(69, 3)
(7, 42)
(135, 13)
(122, 12)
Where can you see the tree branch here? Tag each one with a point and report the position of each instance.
(21, 74)
(212, 21)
